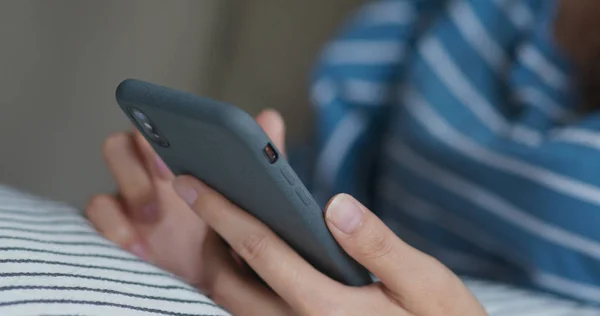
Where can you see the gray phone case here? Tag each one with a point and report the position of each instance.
(224, 147)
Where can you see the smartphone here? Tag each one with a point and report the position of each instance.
(224, 147)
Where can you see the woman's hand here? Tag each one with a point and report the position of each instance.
(146, 217)
(412, 283)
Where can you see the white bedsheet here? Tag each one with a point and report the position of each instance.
(52, 262)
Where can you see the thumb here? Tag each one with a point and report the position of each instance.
(409, 274)
(272, 123)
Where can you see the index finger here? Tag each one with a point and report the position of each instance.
(290, 276)
(272, 123)
(159, 170)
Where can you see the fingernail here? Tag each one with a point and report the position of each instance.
(344, 213)
(185, 192)
(139, 250)
(150, 212)
(161, 166)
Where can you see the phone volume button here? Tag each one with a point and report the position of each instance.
(303, 196)
(288, 175)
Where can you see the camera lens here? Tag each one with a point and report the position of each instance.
(139, 115)
(148, 128)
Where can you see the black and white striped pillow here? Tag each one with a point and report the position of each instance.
(52, 262)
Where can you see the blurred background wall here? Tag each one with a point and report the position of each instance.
(61, 60)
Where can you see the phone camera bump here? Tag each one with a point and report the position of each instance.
(139, 115)
(148, 128)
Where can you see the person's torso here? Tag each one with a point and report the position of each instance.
(484, 162)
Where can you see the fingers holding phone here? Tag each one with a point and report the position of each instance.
(145, 216)
(272, 123)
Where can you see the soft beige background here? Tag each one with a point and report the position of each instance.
(61, 60)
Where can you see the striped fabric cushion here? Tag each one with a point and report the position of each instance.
(466, 113)
(53, 263)
(505, 300)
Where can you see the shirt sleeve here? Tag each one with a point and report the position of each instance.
(354, 80)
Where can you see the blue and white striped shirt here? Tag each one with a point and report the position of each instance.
(455, 121)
